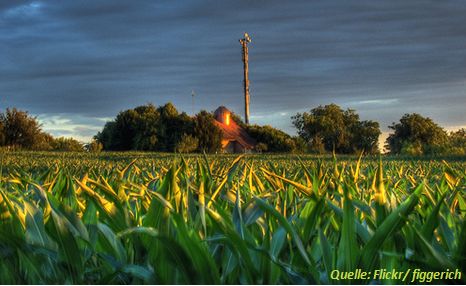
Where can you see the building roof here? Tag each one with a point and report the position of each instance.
(232, 131)
(220, 111)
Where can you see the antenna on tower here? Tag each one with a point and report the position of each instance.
(244, 43)
(192, 101)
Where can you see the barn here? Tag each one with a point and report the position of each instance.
(235, 139)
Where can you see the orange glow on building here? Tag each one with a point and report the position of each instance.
(227, 119)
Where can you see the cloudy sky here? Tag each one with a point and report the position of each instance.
(75, 64)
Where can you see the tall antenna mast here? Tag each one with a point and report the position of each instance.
(244, 43)
(192, 101)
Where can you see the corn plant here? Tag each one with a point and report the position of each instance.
(124, 218)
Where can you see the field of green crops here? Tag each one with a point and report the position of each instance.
(157, 218)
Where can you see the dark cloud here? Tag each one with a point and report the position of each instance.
(91, 59)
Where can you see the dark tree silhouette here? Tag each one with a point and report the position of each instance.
(416, 135)
(328, 128)
(208, 134)
(20, 129)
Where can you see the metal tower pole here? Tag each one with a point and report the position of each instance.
(244, 43)
(192, 102)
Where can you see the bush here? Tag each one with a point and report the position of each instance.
(316, 146)
(67, 144)
(94, 147)
(187, 144)
(261, 147)
(275, 139)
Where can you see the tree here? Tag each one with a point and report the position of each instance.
(208, 134)
(274, 139)
(172, 127)
(261, 147)
(237, 119)
(107, 136)
(187, 144)
(458, 142)
(147, 128)
(328, 128)
(135, 129)
(2, 132)
(315, 145)
(416, 135)
(20, 129)
(94, 146)
(270, 139)
(67, 144)
(365, 136)
(44, 142)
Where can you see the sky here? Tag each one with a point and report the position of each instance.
(76, 64)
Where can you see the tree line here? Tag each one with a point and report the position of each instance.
(20, 131)
(164, 129)
(328, 128)
(324, 129)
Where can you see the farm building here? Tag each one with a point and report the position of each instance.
(235, 138)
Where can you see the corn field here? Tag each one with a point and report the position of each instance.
(142, 218)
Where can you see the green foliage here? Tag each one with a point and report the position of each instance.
(2, 133)
(146, 128)
(20, 130)
(187, 144)
(365, 136)
(458, 142)
(208, 134)
(270, 139)
(133, 129)
(261, 147)
(139, 218)
(107, 137)
(237, 119)
(172, 127)
(67, 144)
(163, 129)
(139, 128)
(94, 146)
(417, 135)
(329, 128)
(275, 139)
(44, 142)
(315, 145)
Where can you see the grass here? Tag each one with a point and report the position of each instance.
(147, 218)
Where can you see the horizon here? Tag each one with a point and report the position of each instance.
(75, 66)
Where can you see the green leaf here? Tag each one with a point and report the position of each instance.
(69, 251)
(111, 243)
(143, 273)
(284, 223)
(348, 248)
(436, 257)
(278, 241)
(326, 253)
(432, 220)
(390, 225)
(312, 219)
